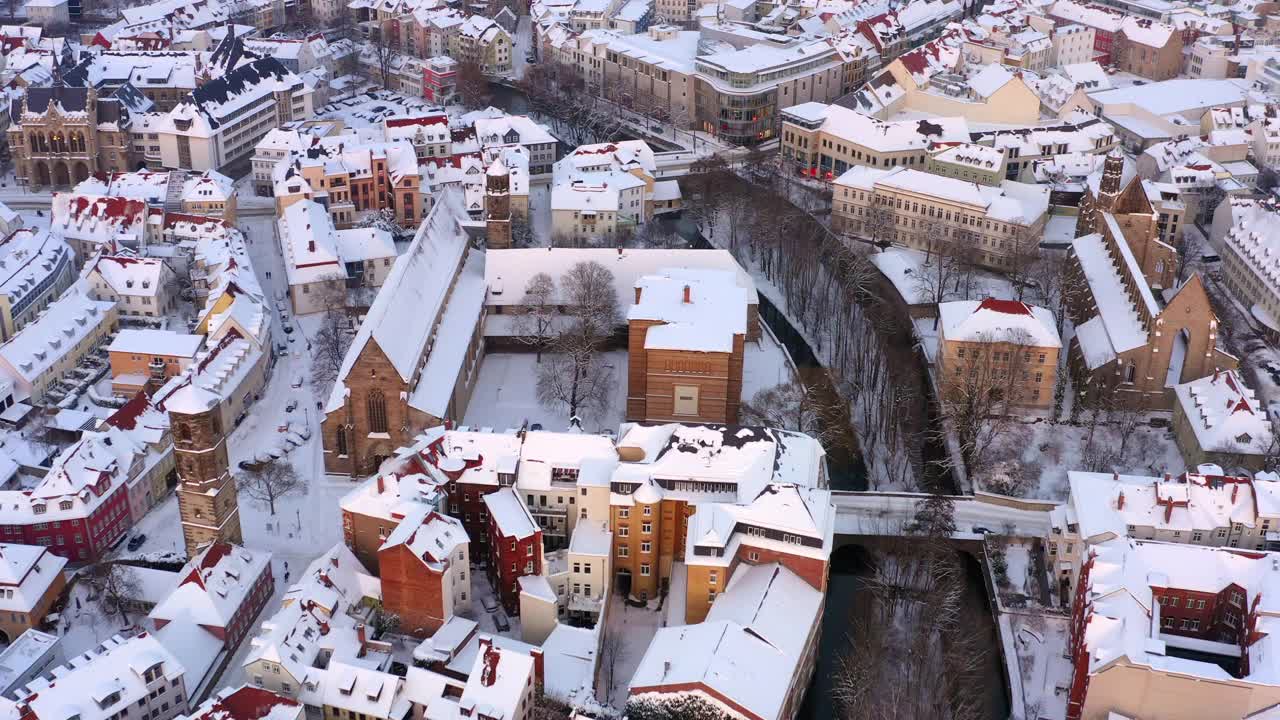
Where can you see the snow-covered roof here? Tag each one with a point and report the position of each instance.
(993, 320)
(29, 258)
(313, 617)
(749, 649)
(1105, 505)
(101, 682)
(26, 572)
(590, 538)
(214, 586)
(430, 536)
(98, 219)
(508, 272)
(990, 79)
(1118, 326)
(1225, 414)
(1146, 31)
(1122, 591)
(54, 333)
(697, 310)
(867, 131)
(414, 295)
(510, 515)
(1010, 202)
(247, 703)
(314, 251)
(127, 274)
(499, 680)
(1178, 95)
(150, 341)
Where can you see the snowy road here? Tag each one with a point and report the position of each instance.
(887, 513)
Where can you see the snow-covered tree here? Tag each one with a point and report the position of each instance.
(675, 706)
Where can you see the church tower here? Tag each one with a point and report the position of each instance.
(1109, 188)
(497, 205)
(206, 490)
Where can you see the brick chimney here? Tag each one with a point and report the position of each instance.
(638, 295)
(687, 298)
(360, 636)
(1120, 501)
(538, 667)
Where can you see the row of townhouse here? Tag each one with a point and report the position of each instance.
(429, 32)
(1168, 584)
(733, 93)
(563, 519)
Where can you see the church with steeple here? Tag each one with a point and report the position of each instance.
(1121, 192)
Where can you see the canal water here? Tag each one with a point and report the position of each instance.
(846, 586)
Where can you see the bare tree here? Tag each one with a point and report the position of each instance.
(473, 86)
(811, 409)
(384, 53)
(879, 223)
(330, 344)
(612, 651)
(1188, 246)
(938, 279)
(1022, 259)
(575, 376)
(980, 387)
(535, 318)
(119, 587)
(271, 482)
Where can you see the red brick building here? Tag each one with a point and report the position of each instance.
(424, 567)
(516, 544)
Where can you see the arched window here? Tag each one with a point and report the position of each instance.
(1130, 373)
(377, 410)
(341, 438)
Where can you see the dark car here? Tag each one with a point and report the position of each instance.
(136, 542)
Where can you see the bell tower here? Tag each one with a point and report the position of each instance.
(497, 206)
(207, 502)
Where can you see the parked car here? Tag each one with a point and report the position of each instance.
(297, 381)
(291, 406)
(287, 328)
(136, 542)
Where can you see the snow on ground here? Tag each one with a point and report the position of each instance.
(521, 44)
(85, 624)
(904, 267)
(764, 365)
(506, 391)
(1018, 559)
(540, 213)
(634, 628)
(480, 600)
(1047, 452)
(370, 109)
(506, 395)
(163, 529)
(1040, 640)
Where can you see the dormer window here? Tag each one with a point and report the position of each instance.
(1244, 438)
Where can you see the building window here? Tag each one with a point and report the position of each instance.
(644, 569)
(341, 437)
(376, 406)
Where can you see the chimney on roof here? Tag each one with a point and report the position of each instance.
(1120, 501)
(637, 292)
(360, 637)
(311, 244)
(538, 666)
(687, 298)
(380, 486)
